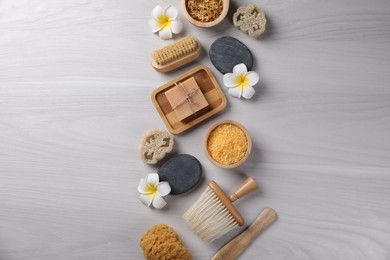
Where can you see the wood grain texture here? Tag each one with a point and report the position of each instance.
(75, 86)
(211, 90)
(237, 245)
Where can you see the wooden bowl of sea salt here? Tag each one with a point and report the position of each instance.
(227, 144)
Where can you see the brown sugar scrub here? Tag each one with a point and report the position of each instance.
(205, 10)
(228, 144)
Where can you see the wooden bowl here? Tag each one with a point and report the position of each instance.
(225, 9)
(248, 150)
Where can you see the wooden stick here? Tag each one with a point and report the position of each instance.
(235, 247)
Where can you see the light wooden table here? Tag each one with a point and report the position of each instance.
(75, 85)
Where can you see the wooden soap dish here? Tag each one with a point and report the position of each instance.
(210, 89)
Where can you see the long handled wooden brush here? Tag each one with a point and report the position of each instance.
(214, 214)
(238, 244)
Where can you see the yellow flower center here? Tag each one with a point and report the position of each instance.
(151, 189)
(164, 21)
(242, 81)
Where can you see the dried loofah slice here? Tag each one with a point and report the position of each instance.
(155, 145)
(250, 19)
(162, 242)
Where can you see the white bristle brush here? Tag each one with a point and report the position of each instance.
(213, 215)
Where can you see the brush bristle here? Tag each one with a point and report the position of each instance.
(176, 50)
(209, 217)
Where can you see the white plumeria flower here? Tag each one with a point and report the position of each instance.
(151, 191)
(164, 22)
(240, 82)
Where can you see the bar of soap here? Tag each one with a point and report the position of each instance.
(186, 99)
(182, 172)
(226, 52)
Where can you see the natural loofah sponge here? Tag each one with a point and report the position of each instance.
(161, 242)
(250, 19)
(155, 144)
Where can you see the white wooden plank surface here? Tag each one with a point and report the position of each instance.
(75, 84)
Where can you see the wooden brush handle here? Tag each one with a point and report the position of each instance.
(246, 187)
(235, 247)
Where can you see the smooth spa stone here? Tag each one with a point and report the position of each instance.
(182, 172)
(226, 52)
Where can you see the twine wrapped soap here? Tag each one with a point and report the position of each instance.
(186, 99)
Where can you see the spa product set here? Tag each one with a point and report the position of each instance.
(186, 101)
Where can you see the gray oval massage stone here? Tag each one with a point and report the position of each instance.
(182, 172)
(226, 52)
